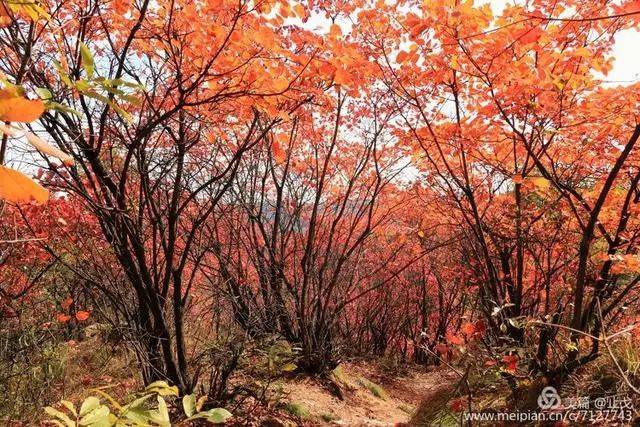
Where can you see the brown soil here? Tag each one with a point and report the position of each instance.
(401, 395)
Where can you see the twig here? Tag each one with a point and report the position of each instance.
(615, 361)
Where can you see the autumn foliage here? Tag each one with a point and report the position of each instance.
(416, 180)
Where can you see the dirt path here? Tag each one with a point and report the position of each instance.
(370, 398)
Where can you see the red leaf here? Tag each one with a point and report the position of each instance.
(468, 329)
(510, 362)
(480, 327)
(454, 339)
(456, 405)
(66, 303)
(82, 315)
(530, 35)
(63, 318)
(441, 348)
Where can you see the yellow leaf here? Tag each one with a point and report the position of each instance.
(299, 10)
(454, 62)
(541, 182)
(280, 84)
(18, 188)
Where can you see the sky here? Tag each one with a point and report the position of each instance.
(626, 68)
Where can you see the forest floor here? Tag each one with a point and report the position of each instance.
(371, 393)
(370, 396)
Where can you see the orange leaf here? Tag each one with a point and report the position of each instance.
(335, 30)
(280, 84)
(300, 10)
(454, 339)
(402, 56)
(5, 18)
(18, 188)
(342, 77)
(18, 109)
(631, 7)
(82, 315)
(63, 318)
(541, 183)
(279, 154)
(530, 35)
(66, 303)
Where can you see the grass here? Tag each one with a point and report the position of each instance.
(339, 375)
(297, 409)
(327, 418)
(407, 409)
(374, 388)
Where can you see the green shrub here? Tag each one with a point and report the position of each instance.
(148, 408)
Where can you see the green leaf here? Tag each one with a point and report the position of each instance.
(162, 388)
(62, 108)
(133, 100)
(14, 88)
(289, 367)
(107, 396)
(161, 415)
(82, 85)
(189, 404)
(63, 74)
(60, 415)
(87, 59)
(121, 82)
(98, 417)
(44, 94)
(89, 404)
(216, 416)
(139, 416)
(127, 117)
(136, 404)
(162, 409)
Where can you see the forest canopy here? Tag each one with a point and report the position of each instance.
(201, 199)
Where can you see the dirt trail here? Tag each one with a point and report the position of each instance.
(370, 398)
